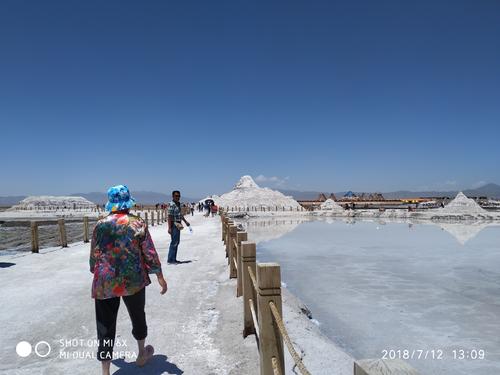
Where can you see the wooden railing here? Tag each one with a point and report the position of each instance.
(262, 209)
(153, 216)
(260, 286)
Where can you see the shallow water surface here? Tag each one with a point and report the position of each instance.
(377, 286)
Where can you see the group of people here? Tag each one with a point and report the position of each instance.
(209, 207)
(122, 258)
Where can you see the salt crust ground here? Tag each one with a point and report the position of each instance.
(195, 328)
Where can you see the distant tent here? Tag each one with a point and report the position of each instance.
(332, 196)
(321, 197)
(349, 196)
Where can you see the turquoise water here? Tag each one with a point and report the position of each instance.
(433, 290)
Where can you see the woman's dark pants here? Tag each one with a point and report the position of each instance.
(106, 311)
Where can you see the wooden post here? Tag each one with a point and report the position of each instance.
(231, 251)
(152, 218)
(85, 229)
(240, 237)
(223, 221)
(35, 245)
(62, 233)
(270, 342)
(248, 260)
(138, 214)
(226, 240)
(146, 218)
(222, 225)
(158, 217)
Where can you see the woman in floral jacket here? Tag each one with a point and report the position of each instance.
(122, 255)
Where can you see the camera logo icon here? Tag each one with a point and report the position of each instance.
(24, 349)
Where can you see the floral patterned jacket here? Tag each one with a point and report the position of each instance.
(122, 255)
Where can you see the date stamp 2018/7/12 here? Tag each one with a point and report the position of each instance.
(434, 354)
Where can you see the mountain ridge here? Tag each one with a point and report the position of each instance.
(490, 190)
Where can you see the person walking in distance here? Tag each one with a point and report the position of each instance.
(122, 255)
(175, 219)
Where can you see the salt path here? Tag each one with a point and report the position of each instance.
(195, 328)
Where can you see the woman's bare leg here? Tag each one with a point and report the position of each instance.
(105, 367)
(140, 344)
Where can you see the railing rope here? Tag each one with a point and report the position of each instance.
(253, 279)
(276, 368)
(255, 323)
(287, 340)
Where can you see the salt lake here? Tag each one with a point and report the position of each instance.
(373, 286)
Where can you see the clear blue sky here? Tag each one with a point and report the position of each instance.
(321, 95)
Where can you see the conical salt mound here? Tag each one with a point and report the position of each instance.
(246, 193)
(331, 205)
(462, 205)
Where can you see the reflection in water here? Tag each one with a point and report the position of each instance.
(465, 232)
(376, 285)
(462, 232)
(266, 229)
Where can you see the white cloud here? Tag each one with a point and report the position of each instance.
(273, 180)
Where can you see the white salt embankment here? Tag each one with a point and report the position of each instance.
(47, 202)
(46, 206)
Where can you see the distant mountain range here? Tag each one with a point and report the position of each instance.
(150, 197)
(142, 197)
(488, 190)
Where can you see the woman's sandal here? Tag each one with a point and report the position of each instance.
(142, 360)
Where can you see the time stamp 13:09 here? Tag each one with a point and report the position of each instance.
(436, 354)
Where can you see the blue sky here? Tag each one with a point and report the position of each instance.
(309, 95)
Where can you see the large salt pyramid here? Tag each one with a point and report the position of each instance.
(462, 205)
(246, 193)
(44, 202)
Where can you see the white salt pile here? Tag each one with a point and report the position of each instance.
(331, 205)
(462, 205)
(246, 193)
(46, 202)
